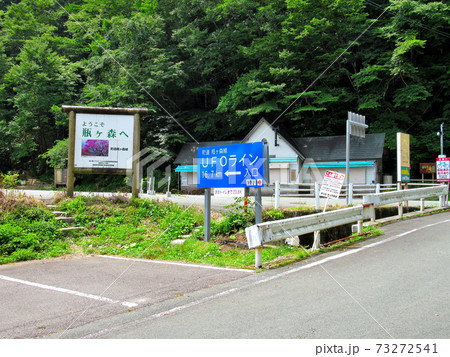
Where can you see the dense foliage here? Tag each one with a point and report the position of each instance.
(209, 70)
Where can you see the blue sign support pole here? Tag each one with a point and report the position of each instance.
(258, 219)
(207, 224)
(258, 201)
(228, 166)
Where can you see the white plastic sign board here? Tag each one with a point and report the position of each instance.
(443, 169)
(104, 141)
(229, 192)
(332, 184)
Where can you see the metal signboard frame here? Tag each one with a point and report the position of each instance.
(356, 126)
(231, 166)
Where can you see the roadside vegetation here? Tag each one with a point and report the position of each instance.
(133, 228)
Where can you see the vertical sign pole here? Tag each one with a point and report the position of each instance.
(135, 164)
(71, 162)
(258, 199)
(258, 219)
(207, 228)
(347, 155)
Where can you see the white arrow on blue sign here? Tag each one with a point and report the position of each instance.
(238, 165)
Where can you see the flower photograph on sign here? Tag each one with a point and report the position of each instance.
(94, 148)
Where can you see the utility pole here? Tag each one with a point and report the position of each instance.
(441, 134)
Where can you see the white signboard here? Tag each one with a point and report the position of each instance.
(104, 141)
(443, 169)
(227, 192)
(332, 184)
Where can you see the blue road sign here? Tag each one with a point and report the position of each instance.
(238, 165)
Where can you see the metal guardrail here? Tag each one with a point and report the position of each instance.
(386, 198)
(261, 233)
(357, 190)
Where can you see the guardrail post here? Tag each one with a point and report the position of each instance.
(316, 243)
(377, 188)
(316, 194)
(360, 227)
(277, 194)
(422, 204)
(400, 208)
(350, 193)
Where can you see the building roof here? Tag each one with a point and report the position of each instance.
(318, 148)
(284, 134)
(189, 150)
(328, 148)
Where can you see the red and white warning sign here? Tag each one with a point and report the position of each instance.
(443, 169)
(332, 184)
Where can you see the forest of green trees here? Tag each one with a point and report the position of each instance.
(210, 69)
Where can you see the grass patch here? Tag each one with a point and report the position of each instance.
(134, 228)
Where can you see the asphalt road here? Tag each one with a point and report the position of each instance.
(43, 297)
(393, 286)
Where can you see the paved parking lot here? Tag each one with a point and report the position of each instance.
(43, 297)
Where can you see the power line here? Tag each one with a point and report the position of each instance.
(414, 22)
(127, 72)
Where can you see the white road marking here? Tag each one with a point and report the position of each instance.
(68, 291)
(175, 263)
(244, 287)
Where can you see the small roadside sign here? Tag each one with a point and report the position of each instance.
(229, 192)
(332, 184)
(443, 169)
(427, 168)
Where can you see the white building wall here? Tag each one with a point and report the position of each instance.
(283, 150)
(279, 171)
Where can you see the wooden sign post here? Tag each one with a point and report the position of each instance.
(103, 141)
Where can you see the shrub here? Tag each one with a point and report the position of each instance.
(9, 180)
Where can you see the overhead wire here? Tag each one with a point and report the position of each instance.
(415, 22)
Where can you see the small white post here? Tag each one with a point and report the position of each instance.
(258, 257)
(277, 194)
(422, 204)
(317, 194)
(360, 227)
(400, 209)
(350, 193)
(377, 188)
(316, 243)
